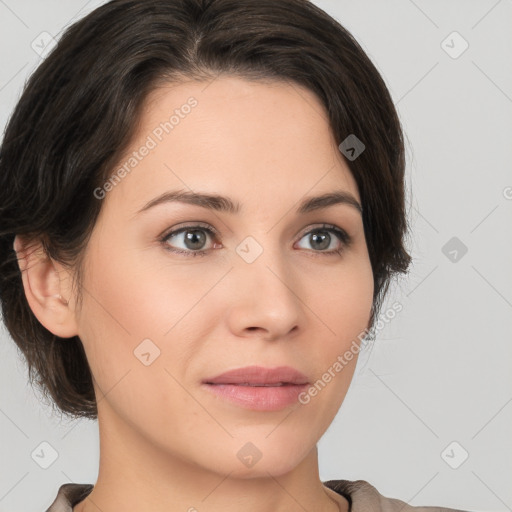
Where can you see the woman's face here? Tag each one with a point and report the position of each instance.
(270, 286)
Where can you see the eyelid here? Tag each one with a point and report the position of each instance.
(320, 226)
(189, 225)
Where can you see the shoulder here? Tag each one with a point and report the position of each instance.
(68, 496)
(363, 496)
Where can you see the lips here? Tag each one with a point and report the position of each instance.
(258, 388)
(259, 376)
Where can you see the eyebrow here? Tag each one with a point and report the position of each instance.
(225, 204)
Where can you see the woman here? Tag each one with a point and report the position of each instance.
(244, 132)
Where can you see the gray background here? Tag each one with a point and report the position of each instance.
(440, 371)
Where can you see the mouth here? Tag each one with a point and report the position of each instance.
(258, 388)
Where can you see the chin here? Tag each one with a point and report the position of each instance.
(258, 459)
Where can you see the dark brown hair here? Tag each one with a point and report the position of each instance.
(80, 108)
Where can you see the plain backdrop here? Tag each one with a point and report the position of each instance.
(429, 414)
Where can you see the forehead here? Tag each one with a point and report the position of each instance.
(235, 136)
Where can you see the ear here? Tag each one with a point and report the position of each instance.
(47, 288)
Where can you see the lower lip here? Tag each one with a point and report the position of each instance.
(258, 398)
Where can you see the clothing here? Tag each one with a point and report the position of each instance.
(362, 497)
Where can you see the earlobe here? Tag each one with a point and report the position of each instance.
(44, 288)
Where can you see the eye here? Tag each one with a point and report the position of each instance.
(322, 238)
(192, 237)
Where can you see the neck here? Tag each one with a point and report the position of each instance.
(137, 475)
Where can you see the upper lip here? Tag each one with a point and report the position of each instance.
(255, 375)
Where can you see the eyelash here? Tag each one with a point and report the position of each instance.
(341, 234)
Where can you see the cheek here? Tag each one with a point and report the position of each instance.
(135, 297)
(138, 312)
(131, 358)
(344, 300)
(344, 307)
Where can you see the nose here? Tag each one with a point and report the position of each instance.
(266, 301)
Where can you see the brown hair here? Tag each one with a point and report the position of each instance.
(81, 106)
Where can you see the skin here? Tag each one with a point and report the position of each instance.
(165, 443)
